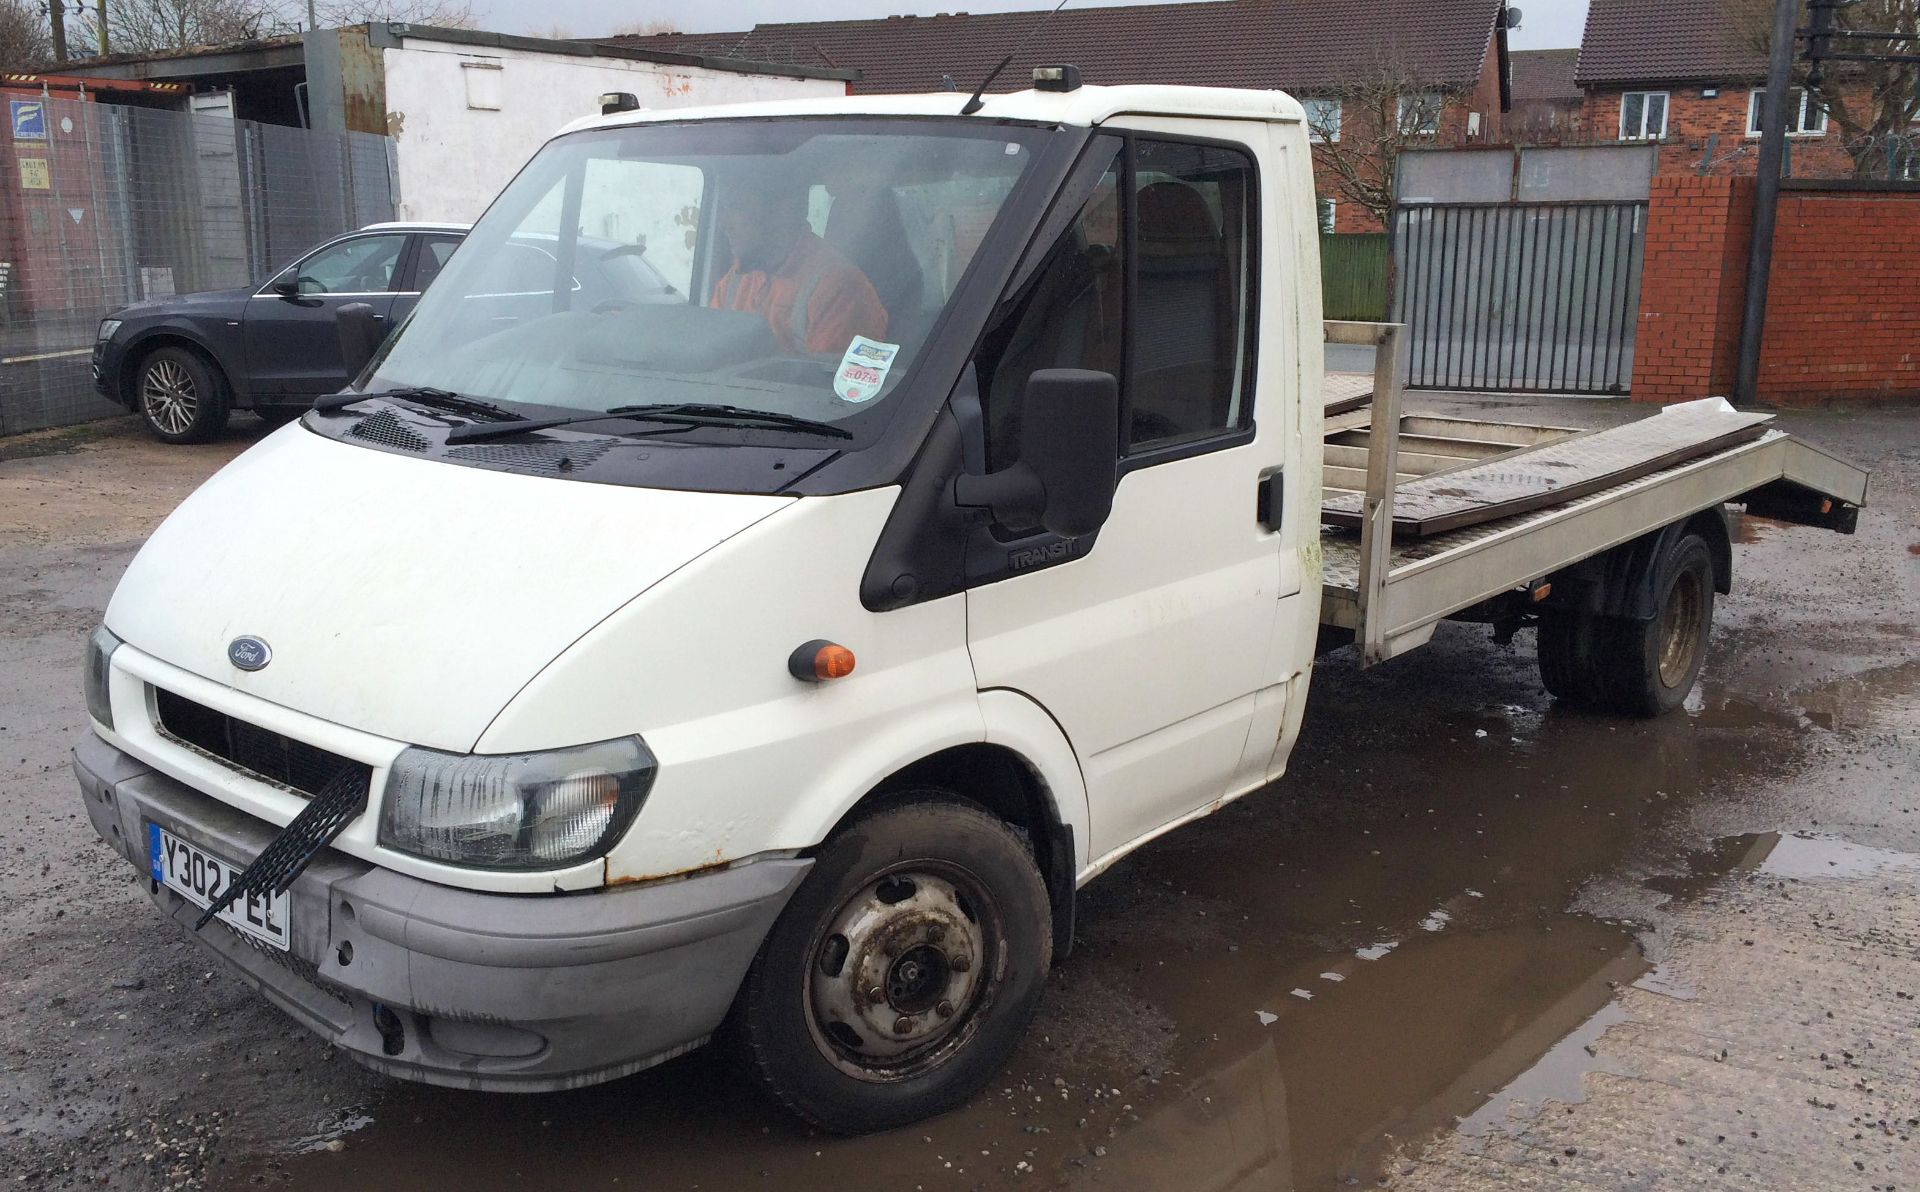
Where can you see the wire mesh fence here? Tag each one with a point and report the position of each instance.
(106, 205)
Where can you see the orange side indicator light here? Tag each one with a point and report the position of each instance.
(1542, 592)
(820, 660)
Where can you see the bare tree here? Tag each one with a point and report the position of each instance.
(1360, 128)
(644, 28)
(1873, 104)
(143, 26)
(25, 43)
(444, 14)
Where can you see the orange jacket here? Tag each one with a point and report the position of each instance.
(816, 301)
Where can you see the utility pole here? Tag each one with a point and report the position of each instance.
(101, 6)
(1766, 199)
(57, 21)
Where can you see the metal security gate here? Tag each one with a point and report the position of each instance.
(1528, 296)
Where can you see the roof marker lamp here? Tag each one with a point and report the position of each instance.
(515, 810)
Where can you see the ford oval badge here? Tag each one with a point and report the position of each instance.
(249, 653)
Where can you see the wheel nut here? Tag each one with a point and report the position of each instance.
(936, 933)
(959, 964)
(944, 1009)
(876, 994)
(903, 1026)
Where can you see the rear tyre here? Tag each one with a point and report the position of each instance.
(1565, 649)
(1649, 667)
(904, 972)
(180, 396)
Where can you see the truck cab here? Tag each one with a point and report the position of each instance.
(770, 652)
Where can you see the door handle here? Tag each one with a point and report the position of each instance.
(1270, 501)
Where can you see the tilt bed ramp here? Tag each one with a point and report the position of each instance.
(1429, 519)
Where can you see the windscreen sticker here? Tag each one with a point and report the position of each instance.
(863, 370)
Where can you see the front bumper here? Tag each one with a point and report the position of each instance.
(521, 993)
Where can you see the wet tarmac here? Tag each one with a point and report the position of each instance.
(1377, 970)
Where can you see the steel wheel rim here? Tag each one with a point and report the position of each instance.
(900, 972)
(168, 396)
(1680, 628)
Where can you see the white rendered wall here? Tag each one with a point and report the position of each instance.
(456, 148)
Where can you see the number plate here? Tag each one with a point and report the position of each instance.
(200, 877)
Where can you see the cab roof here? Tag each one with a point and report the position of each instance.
(1085, 106)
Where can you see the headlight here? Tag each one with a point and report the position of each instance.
(108, 327)
(101, 644)
(516, 810)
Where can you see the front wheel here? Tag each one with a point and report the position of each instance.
(180, 397)
(903, 973)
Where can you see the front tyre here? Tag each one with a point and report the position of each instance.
(180, 397)
(905, 970)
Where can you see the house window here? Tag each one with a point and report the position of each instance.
(1326, 210)
(1643, 115)
(1323, 120)
(1420, 113)
(1805, 116)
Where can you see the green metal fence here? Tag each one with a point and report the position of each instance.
(1353, 275)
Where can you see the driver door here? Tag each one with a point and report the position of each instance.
(292, 342)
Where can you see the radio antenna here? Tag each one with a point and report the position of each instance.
(975, 103)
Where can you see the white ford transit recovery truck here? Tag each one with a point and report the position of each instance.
(766, 630)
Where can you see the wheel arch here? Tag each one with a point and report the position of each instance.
(1025, 773)
(169, 336)
(1620, 582)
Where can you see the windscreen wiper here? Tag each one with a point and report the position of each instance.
(685, 414)
(426, 395)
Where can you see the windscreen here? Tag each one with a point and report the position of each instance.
(791, 266)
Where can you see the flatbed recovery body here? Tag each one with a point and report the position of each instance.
(1390, 591)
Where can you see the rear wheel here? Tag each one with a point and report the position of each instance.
(1652, 665)
(180, 397)
(1632, 666)
(903, 973)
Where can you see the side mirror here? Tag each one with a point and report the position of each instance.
(360, 336)
(1069, 456)
(286, 287)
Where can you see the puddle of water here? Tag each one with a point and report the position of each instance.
(1808, 856)
(1559, 1075)
(1183, 1053)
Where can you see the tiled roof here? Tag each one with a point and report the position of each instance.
(1300, 45)
(1661, 41)
(1544, 75)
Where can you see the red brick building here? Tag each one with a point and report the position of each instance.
(1548, 104)
(1452, 51)
(1681, 74)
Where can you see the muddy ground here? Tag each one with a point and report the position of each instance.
(1472, 940)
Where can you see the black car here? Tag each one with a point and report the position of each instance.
(184, 363)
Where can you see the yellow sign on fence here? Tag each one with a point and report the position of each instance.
(34, 174)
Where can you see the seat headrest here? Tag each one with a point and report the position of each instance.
(1174, 218)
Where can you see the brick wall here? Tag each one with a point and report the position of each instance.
(1843, 309)
(1711, 132)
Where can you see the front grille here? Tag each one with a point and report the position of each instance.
(385, 428)
(264, 754)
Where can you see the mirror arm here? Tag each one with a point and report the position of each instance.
(1014, 495)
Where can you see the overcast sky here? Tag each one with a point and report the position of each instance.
(1547, 23)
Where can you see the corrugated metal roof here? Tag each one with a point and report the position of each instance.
(1300, 45)
(1659, 41)
(1545, 75)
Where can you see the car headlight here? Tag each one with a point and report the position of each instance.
(108, 327)
(101, 644)
(516, 810)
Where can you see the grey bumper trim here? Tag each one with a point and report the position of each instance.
(520, 992)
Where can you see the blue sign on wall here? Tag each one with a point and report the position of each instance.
(29, 119)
